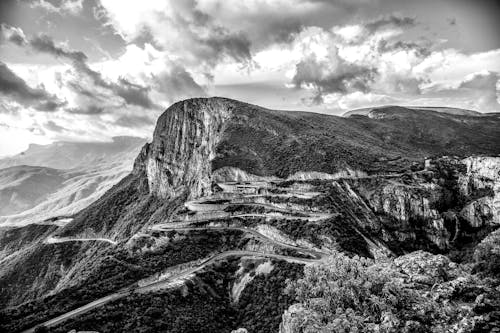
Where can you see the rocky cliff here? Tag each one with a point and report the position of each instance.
(481, 183)
(184, 143)
(452, 199)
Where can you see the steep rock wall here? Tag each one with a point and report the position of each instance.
(481, 182)
(184, 143)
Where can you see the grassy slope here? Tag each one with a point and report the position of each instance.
(268, 142)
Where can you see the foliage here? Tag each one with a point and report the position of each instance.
(358, 295)
(117, 269)
(487, 255)
(263, 301)
(203, 305)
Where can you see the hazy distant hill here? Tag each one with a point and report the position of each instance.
(61, 178)
(452, 111)
(67, 155)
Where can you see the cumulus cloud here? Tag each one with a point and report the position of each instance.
(486, 86)
(331, 75)
(179, 28)
(348, 59)
(13, 86)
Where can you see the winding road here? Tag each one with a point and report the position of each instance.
(172, 281)
(199, 207)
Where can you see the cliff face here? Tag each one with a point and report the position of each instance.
(452, 199)
(184, 142)
(481, 182)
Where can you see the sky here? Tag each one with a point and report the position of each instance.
(86, 70)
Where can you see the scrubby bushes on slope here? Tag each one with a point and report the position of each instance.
(418, 292)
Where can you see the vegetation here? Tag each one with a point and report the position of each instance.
(263, 301)
(267, 142)
(202, 305)
(344, 234)
(358, 295)
(116, 270)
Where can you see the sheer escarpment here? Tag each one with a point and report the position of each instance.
(184, 143)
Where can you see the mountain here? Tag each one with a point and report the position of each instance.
(65, 155)
(447, 110)
(228, 202)
(35, 190)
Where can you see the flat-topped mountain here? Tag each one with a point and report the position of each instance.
(265, 142)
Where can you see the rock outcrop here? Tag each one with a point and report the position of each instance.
(481, 182)
(411, 207)
(184, 142)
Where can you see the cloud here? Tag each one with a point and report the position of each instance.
(73, 7)
(89, 110)
(52, 126)
(12, 34)
(394, 46)
(44, 43)
(331, 75)
(393, 20)
(451, 21)
(15, 87)
(181, 29)
(131, 93)
(486, 86)
(177, 83)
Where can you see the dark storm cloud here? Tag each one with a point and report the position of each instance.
(344, 78)
(393, 20)
(15, 87)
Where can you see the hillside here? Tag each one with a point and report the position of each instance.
(440, 109)
(66, 155)
(233, 196)
(31, 193)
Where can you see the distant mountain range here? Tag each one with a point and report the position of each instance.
(61, 178)
(67, 155)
